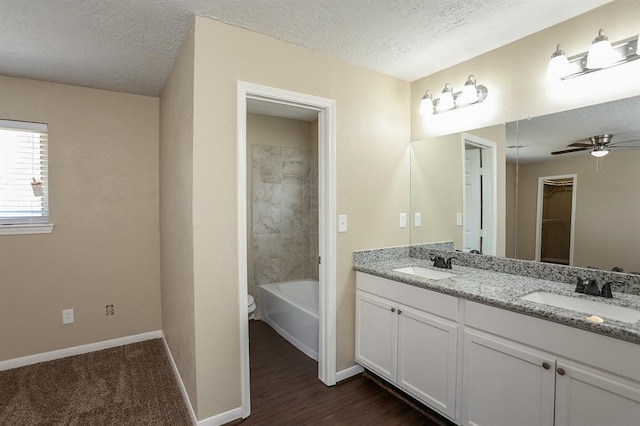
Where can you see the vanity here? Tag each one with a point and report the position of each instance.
(471, 348)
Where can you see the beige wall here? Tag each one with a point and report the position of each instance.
(176, 216)
(437, 189)
(103, 169)
(372, 171)
(604, 237)
(515, 75)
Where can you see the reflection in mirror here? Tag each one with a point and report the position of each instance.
(554, 222)
(607, 204)
(457, 187)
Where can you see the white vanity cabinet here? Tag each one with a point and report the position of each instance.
(520, 370)
(513, 369)
(505, 383)
(408, 336)
(587, 396)
(377, 334)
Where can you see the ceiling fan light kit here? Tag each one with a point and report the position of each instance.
(472, 93)
(599, 151)
(602, 54)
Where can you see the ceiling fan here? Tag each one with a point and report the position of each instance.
(599, 145)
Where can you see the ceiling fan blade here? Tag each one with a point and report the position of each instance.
(582, 144)
(621, 143)
(566, 151)
(621, 146)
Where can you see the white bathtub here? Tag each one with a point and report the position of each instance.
(291, 309)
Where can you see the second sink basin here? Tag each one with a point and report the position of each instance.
(425, 273)
(618, 313)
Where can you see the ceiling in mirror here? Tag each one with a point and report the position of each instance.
(537, 138)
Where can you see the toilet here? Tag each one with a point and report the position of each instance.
(251, 303)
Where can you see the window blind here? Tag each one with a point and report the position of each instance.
(24, 189)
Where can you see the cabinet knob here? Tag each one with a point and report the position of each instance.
(560, 371)
(546, 365)
(393, 309)
(399, 311)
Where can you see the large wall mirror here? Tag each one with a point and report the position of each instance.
(501, 191)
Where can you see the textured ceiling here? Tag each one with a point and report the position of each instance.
(541, 135)
(130, 45)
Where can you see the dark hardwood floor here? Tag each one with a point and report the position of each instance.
(285, 390)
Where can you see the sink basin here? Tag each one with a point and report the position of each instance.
(425, 273)
(618, 313)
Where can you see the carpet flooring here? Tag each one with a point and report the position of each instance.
(134, 385)
(126, 385)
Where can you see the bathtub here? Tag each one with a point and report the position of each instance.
(291, 309)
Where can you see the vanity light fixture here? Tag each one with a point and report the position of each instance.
(469, 93)
(426, 104)
(448, 100)
(559, 64)
(601, 54)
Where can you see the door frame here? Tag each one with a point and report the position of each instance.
(490, 172)
(326, 109)
(540, 201)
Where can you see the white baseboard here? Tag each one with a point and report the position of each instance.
(77, 350)
(222, 418)
(183, 390)
(216, 420)
(348, 372)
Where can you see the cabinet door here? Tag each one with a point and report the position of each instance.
(376, 334)
(505, 384)
(427, 358)
(586, 397)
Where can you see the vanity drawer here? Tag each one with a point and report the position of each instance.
(610, 354)
(430, 301)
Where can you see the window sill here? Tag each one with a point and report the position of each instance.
(39, 228)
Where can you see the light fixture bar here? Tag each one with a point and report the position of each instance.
(626, 50)
(448, 101)
(482, 94)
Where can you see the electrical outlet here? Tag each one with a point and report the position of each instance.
(67, 316)
(110, 310)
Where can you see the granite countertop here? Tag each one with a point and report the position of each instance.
(505, 291)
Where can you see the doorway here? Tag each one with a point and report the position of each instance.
(479, 202)
(555, 221)
(293, 102)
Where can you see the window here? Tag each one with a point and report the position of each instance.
(24, 189)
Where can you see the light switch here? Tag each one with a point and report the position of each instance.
(417, 219)
(342, 223)
(459, 219)
(403, 220)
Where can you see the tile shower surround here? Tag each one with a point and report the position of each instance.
(284, 214)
